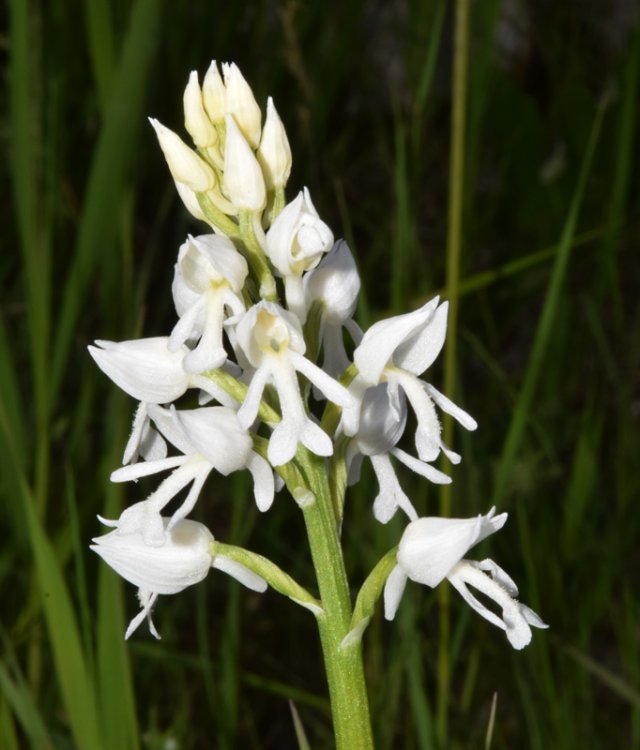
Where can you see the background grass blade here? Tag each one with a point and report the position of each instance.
(71, 666)
(544, 329)
(105, 187)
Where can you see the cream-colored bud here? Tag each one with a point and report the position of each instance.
(214, 94)
(243, 182)
(185, 165)
(274, 153)
(242, 104)
(196, 120)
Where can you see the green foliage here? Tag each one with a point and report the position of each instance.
(547, 358)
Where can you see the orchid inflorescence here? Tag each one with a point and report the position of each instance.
(261, 299)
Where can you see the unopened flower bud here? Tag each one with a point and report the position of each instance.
(196, 120)
(185, 165)
(243, 181)
(274, 153)
(214, 94)
(241, 104)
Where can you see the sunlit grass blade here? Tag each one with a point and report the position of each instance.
(301, 737)
(105, 193)
(71, 667)
(544, 330)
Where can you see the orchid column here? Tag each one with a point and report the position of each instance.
(265, 331)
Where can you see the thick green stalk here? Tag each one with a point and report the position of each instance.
(344, 667)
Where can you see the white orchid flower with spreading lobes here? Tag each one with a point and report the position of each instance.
(397, 351)
(183, 559)
(432, 549)
(271, 339)
(295, 243)
(208, 281)
(209, 438)
(381, 425)
(150, 372)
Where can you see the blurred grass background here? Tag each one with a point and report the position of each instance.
(547, 358)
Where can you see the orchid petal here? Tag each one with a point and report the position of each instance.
(393, 590)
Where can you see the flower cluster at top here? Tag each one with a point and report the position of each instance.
(261, 299)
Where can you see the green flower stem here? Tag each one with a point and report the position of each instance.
(279, 202)
(216, 216)
(273, 575)
(344, 667)
(257, 259)
(239, 390)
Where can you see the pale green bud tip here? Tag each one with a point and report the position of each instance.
(196, 120)
(274, 153)
(185, 165)
(214, 94)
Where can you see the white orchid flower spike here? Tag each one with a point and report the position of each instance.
(183, 558)
(432, 549)
(397, 351)
(272, 341)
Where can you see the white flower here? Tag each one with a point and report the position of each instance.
(144, 368)
(432, 549)
(381, 425)
(274, 153)
(296, 241)
(209, 276)
(209, 438)
(196, 120)
(335, 283)
(183, 559)
(298, 238)
(214, 94)
(241, 103)
(147, 370)
(243, 181)
(397, 351)
(271, 340)
(185, 165)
